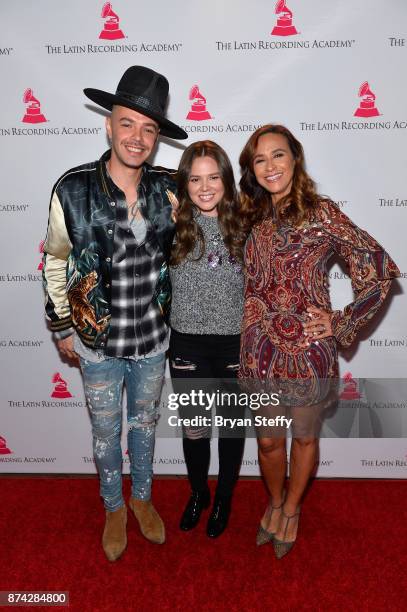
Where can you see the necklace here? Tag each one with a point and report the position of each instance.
(214, 255)
(215, 249)
(133, 211)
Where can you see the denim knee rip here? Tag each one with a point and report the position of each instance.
(146, 415)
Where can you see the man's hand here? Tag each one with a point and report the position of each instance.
(65, 347)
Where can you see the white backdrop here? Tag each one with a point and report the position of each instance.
(252, 66)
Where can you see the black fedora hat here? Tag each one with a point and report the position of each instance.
(144, 91)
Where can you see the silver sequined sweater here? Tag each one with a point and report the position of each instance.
(207, 295)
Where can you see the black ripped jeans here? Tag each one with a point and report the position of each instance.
(214, 360)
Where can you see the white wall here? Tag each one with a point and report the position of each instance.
(308, 81)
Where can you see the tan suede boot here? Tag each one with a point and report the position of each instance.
(150, 522)
(114, 539)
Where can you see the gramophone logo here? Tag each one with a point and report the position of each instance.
(367, 105)
(350, 389)
(33, 112)
(284, 25)
(111, 29)
(198, 110)
(4, 450)
(61, 388)
(41, 251)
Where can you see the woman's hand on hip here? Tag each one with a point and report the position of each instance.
(319, 324)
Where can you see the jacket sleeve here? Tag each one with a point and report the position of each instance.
(57, 247)
(371, 270)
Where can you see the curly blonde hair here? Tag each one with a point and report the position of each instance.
(256, 204)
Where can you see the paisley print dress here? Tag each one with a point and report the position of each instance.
(286, 272)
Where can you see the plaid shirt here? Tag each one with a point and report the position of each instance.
(137, 326)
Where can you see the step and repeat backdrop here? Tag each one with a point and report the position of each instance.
(333, 72)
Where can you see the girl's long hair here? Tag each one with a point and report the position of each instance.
(293, 208)
(188, 232)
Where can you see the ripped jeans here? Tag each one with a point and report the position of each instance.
(103, 383)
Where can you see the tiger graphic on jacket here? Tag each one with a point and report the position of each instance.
(83, 313)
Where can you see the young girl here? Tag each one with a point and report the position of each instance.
(206, 312)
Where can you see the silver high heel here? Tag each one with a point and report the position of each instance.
(263, 536)
(281, 547)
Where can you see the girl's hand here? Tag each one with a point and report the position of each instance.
(174, 204)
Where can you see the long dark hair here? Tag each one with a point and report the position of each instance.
(293, 208)
(188, 232)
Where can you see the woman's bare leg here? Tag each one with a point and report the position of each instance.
(303, 456)
(273, 465)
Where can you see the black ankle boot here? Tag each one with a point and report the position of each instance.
(219, 517)
(192, 513)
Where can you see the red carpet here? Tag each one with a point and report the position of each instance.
(350, 554)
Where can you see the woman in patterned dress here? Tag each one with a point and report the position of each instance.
(289, 332)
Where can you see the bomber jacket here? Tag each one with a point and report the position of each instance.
(78, 247)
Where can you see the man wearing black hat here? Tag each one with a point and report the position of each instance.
(108, 243)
